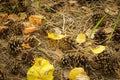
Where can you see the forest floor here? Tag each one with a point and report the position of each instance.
(66, 17)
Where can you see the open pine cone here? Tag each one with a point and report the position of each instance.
(14, 46)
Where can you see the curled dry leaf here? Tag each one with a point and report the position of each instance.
(78, 74)
(13, 17)
(3, 27)
(30, 30)
(81, 38)
(98, 49)
(41, 70)
(36, 19)
(56, 36)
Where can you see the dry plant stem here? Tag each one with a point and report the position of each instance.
(97, 25)
(114, 27)
(63, 28)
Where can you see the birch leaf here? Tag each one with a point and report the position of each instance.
(56, 36)
(78, 74)
(81, 38)
(98, 49)
(41, 70)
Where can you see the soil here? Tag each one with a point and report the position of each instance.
(67, 17)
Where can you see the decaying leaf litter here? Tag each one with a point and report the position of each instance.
(82, 35)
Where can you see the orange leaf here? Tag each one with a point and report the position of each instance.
(13, 17)
(35, 19)
(29, 30)
(25, 45)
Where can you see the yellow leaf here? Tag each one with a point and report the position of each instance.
(56, 36)
(41, 70)
(81, 38)
(98, 49)
(78, 74)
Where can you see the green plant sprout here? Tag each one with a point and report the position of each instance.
(114, 27)
(97, 25)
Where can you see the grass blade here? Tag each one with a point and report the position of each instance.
(96, 26)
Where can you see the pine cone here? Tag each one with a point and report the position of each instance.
(75, 60)
(16, 68)
(32, 41)
(108, 63)
(5, 33)
(116, 36)
(16, 29)
(72, 42)
(14, 46)
(103, 59)
(96, 18)
(100, 36)
(27, 58)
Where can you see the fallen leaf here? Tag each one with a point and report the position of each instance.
(78, 74)
(13, 17)
(3, 27)
(56, 36)
(41, 70)
(26, 45)
(30, 30)
(98, 49)
(36, 19)
(81, 38)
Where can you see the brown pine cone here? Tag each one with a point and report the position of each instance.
(5, 33)
(116, 36)
(100, 36)
(14, 46)
(75, 60)
(103, 59)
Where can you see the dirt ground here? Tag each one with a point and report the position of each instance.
(67, 17)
